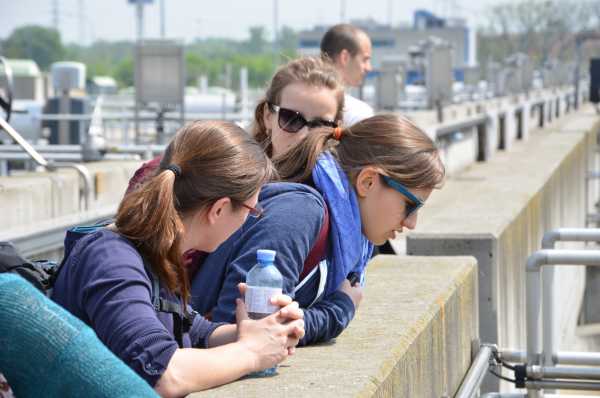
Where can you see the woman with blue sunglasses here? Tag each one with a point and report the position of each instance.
(365, 182)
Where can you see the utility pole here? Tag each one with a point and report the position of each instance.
(275, 33)
(390, 12)
(81, 19)
(139, 5)
(342, 11)
(162, 19)
(55, 15)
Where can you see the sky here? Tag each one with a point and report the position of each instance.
(190, 19)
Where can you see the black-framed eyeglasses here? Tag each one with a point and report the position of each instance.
(256, 211)
(413, 204)
(292, 121)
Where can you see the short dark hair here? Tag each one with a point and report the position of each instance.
(340, 37)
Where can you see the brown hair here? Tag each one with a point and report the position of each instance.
(311, 71)
(387, 141)
(217, 159)
(340, 37)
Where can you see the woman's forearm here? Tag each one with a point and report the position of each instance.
(222, 335)
(192, 369)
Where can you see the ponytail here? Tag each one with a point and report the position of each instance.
(147, 210)
(296, 165)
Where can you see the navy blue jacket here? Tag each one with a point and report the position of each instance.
(104, 283)
(290, 225)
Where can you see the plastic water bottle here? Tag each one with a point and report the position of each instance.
(264, 281)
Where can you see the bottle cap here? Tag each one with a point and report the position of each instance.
(266, 255)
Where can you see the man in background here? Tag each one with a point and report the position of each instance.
(349, 49)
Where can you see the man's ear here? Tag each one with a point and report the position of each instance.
(217, 210)
(343, 58)
(366, 181)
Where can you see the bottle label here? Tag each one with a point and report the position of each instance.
(258, 299)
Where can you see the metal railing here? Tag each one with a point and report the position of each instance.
(543, 367)
(39, 159)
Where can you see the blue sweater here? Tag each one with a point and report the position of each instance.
(104, 283)
(290, 225)
(47, 352)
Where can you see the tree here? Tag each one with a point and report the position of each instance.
(257, 43)
(124, 72)
(39, 43)
(543, 29)
(288, 42)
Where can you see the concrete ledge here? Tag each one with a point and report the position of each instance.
(498, 212)
(411, 338)
(31, 198)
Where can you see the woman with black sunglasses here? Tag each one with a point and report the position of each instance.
(305, 94)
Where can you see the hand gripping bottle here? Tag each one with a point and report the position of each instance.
(264, 281)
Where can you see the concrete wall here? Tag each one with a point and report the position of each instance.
(31, 198)
(498, 212)
(506, 120)
(411, 337)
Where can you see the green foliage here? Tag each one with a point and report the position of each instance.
(41, 44)
(219, 59)
(124, 72)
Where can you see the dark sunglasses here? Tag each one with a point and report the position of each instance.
(255, 212)
(293, 121)
(413, 204)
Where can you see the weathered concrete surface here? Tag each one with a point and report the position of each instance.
(411, 338)
(31, 198)
(499, 210)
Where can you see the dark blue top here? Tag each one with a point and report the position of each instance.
(104, 283)
(290, 225)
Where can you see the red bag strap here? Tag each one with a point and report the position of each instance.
(319, 249)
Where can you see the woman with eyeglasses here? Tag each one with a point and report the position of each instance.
(128, 282)
(360, 184)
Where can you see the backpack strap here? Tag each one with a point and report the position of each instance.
(319, 249)
(182, 319)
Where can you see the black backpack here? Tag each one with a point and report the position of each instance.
(41, 273)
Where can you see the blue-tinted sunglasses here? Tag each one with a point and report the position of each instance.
(413, 204)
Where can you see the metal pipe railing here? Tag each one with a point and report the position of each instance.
(548, 241)
(55, 157)
(578, 358)
(561, 357)
(534, 264)
(62, 149)
(476, 373)
(26, 146)
(561, 385)
(85, 175)
(39, 159)
(563, 372)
